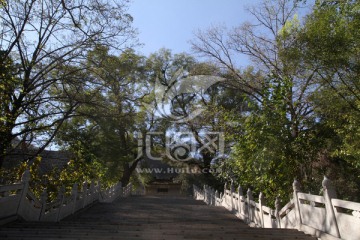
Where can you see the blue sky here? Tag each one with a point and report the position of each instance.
(171, 23)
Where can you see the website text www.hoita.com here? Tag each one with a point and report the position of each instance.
(177, 170)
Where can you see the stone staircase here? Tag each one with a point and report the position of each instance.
(148, 217)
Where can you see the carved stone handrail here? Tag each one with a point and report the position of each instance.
(17, 200)
(325, 217)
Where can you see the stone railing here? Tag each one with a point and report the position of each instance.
(17, 201)
(325, 217)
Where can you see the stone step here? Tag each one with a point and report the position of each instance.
(147, 228)
(149, 235)
(150, 217)
(168, 228)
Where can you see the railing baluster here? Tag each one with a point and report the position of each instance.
(277, 210)
(330, 193)
(296, 188)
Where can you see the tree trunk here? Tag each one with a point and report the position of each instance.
(128, 170)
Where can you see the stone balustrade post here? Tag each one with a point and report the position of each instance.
(210, 195)
(261, 204)
(84, 194)
(232, 190)
(74, 194)
(112, 191)
(214, 196)
(205, 194)
(249, 211)
(331, 225)
(240, 196)
(196, 192)
(43, 199)
(296, 188)
(60, 197)
(92, 191)
(217, 196)
(98, 186)
(25, 179)
(277, 212)
(225, 189)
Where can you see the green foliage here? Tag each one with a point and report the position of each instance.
(103, 132)
(306, 122)
(77, 171)
(331, 40)
(42, 76)
(260, 156)
(342, 121)
(331, 44)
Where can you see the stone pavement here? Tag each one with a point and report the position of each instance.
(148, 217)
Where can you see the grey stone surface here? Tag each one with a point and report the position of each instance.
(148, 217)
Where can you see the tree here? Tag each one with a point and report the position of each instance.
(268, 153)
(336, 58)
(264, 42)
(302, 119)
(47, 42)
(339, 68)
(334, 52)
(190, 86)
(104, 131)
